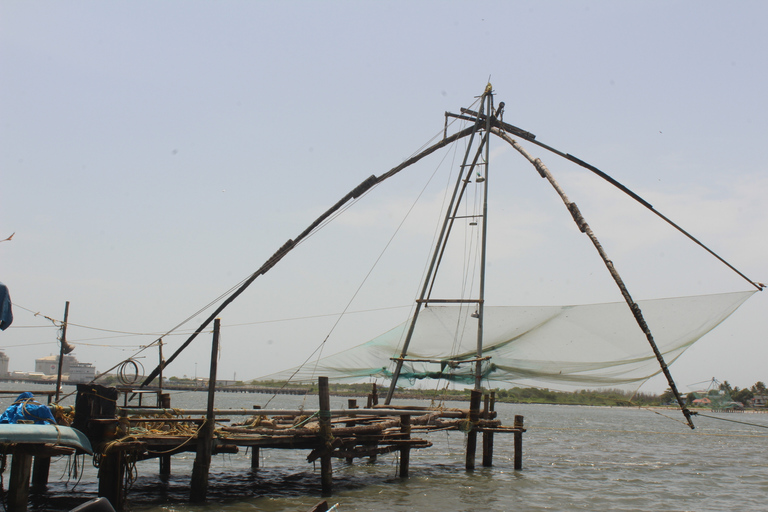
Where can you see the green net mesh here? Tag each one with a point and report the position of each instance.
(595, 345)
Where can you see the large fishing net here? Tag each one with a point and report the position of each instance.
(595, 345)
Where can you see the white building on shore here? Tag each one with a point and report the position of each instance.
(76, 371)
(4, 359)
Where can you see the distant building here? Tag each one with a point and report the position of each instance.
(759, 401)
(49, 365)
(4, 364)
(81, 372)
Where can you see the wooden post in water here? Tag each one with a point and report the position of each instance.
(112, 478)
(165, 460)
(18, 485)
(405, 451)
(255, 452)
(165, 466)
(199, 483)
(474, 410)
(373, 399)
(518, 442)
(40, 471)
(488, 408)
(351, 404)
(326, 470)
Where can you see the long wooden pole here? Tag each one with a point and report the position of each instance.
(481, 294)
(62, 343)
(199, 483)
(291, 244)
(584, 228)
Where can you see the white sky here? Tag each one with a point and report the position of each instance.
(153, 154)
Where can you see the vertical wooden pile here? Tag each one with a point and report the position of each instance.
(199, 483)
(474, 412)
(326, 470)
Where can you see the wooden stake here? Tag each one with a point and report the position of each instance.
(351, 404)
(165, 466)
(326, 470)
(255, 452)
(111, 478)
(489, 405)
(18, 486)
(405, 451)
(199, 484)
(165, 460)
(40, 471)
(519, 442)
(373, 399)
(474, 409)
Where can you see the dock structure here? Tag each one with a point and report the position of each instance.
(122, 426)
(122, 435)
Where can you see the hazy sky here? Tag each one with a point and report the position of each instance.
(153, 154)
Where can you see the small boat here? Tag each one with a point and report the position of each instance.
(45, 434)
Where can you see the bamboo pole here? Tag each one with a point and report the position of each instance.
(392, 411)
(584, 228)
(358, 191)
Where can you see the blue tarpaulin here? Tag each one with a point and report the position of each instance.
(27, 408)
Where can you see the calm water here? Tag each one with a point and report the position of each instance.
(575, 458)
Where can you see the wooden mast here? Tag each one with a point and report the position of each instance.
(464, 177)
(481, 295)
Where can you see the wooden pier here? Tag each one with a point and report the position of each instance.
(122, 435)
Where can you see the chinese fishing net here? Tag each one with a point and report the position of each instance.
(594, 345)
